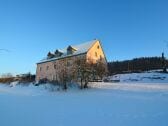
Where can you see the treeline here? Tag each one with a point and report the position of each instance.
(22, 78)
(137, 65)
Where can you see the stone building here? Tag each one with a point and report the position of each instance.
(51, 67)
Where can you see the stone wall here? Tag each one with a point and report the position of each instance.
(53, 70)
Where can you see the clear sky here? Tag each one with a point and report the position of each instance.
(126, 28)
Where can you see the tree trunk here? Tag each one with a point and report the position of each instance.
(86, 84)
(165, 70)
(81, 84)
(65, 86)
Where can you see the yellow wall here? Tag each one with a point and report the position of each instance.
(95, 53)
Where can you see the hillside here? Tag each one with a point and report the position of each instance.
(154, 76)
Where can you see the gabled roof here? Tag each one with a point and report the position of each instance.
(80, 49)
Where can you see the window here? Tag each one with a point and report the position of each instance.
(96, 54)
(98, 47)
(68, 64)
(47, 67)
(55, 66)
(40, 68)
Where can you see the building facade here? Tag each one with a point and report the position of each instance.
(54, 65)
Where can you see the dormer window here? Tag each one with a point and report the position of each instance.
(50, 55)
(70, 50)
(58, 53)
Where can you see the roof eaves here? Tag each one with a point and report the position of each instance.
(58, 58)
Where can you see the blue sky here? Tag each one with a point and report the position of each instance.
(126, 28)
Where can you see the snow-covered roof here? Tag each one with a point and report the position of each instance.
(80, 49)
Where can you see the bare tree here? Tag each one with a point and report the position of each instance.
(86, 71)
(55, 77)
(82, 70)
(166, 42)
(100, 69)
(164, 63)
(63, 75)
(6, 78)
(7, 75)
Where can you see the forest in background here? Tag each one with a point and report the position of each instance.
(137, 65)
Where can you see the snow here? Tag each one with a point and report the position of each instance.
(131, 86)
(142, 103)
(145, 77)
(81, 49)
(105, 104)
(13, 84)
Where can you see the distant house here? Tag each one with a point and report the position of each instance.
(50, 68)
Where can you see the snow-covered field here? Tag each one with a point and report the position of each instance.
(105, 104)
(145, 77)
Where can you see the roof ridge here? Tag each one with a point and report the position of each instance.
(81, 49)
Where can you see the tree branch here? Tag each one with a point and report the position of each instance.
(166, 42)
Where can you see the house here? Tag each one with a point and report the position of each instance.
(51, 67)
